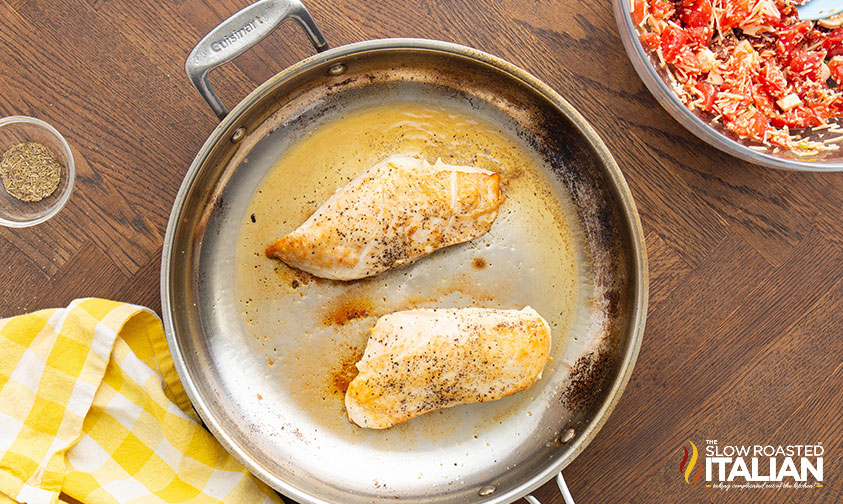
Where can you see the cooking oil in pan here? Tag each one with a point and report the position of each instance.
(314, 330)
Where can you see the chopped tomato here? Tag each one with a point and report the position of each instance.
(797, 117)
(696, 13)
(836, 67)
(789, 39)
(806, 65)
(662, 9)
(673, 40)
(708, 93)
(751, 125)
(837, 106)
(701, 35)
(764, 102)
(651, 39)
(638, 11)
(745, 60)
(833, 43)
(822, 112)
(773, 79)
(735, 12)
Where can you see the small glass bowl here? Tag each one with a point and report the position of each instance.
(20, 129)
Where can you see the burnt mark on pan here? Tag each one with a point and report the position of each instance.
(293, 277)
(346, 82)
(613, 299)
(572, 159)
(345, 370)
(589, 376)
(346, 310)
(219, 208)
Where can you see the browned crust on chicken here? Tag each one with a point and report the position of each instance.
(391, 215)
(417, 361)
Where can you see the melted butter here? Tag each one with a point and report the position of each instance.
(529, 257)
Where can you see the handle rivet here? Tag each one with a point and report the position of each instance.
(567, 435)
(337, 69)
(238, 135)
(486, 490)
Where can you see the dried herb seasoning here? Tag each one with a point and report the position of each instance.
(30, 171)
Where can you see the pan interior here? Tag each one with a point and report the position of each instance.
(301, 335)
(269, 350)
(292, 339)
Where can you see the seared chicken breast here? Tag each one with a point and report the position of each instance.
(392, 214)
(421, 360)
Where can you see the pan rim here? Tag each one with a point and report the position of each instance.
(631, 219)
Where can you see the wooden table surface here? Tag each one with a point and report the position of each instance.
(743, 341)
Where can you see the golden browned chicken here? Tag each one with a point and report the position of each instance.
(420, 360)
(392, 214)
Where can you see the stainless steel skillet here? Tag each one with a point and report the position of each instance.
(254, 377)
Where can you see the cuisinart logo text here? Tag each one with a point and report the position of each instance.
(753, 466)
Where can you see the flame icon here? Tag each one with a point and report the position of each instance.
(687, 470)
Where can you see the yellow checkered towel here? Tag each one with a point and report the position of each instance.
(91, 408)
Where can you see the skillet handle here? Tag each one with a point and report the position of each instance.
(563, 487)
(237, 34)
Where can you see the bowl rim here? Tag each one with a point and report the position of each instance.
(70, 168)
(670, 101)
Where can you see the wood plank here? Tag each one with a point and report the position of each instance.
(668, 407)
(663, 380)
(143, 288)
(768, 218)
(18, 273)
(16, 4)
(760, 395)
(813, 418)
(667, 269)
(780, 386)
(130, 101)
(120, 230)
(819, 197)
(686, 222)
(89, 273)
